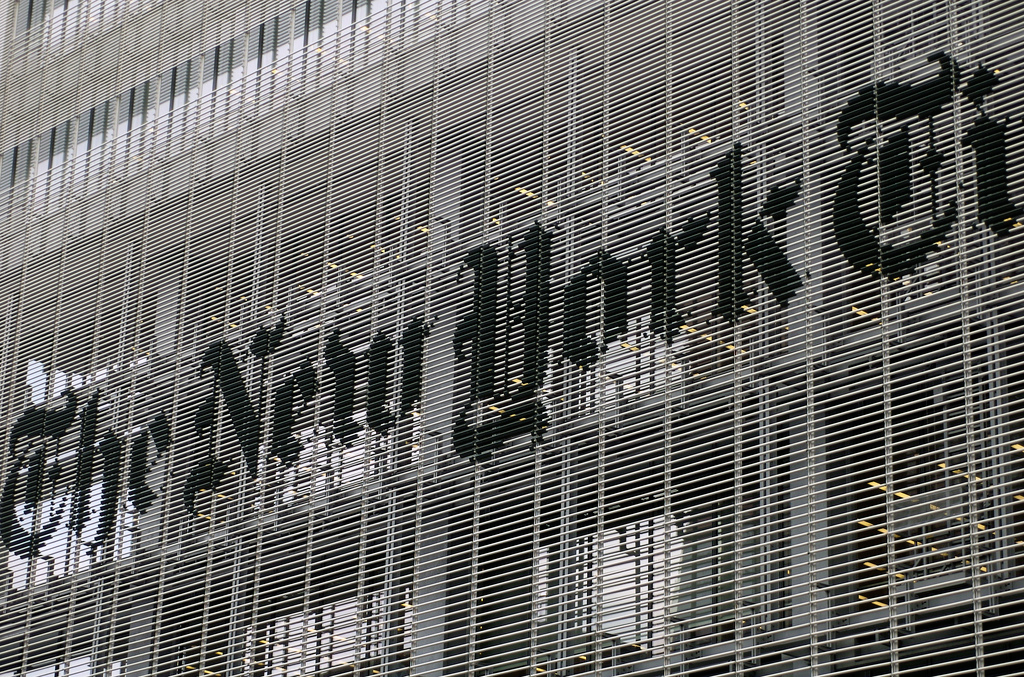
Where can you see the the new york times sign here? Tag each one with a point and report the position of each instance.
(872, 189)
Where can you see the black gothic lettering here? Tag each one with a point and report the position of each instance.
(894, 173)
(987, 138)
(858, 238)
(381, 359)
(612, 278)
(894, 101)
(206, 416)
(204, 477)
(414, 340)
(227, 380)
(37, 423)
(536, 305)
(874, 188)
(266, 341)
(494, 416)
(728, 176)
(299, 389)
(84, 463)
(476, 334)
(139, 492)
(519, 414)
(765, 253)
(343, 364)
(244, 417)
(858, 241)
(379, 363)
(108, 454)
(735, 243)
(662, 255)
(111, 450)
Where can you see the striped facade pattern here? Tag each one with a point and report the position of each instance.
(511, 337)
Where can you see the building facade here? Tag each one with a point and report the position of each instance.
(511, 337)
